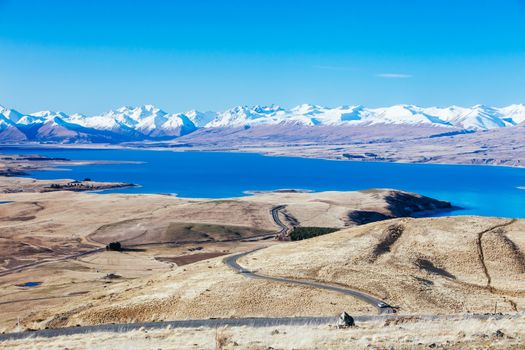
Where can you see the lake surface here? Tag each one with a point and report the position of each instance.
(481, 190)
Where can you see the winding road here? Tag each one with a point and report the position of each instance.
(231, 261)
(275, 216)
(381, 306)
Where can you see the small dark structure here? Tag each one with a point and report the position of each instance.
(115, 246)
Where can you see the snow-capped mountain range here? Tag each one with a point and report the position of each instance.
(151, 123)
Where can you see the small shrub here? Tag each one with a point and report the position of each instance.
(221, 338)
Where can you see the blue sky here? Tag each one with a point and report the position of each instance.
(92, 56)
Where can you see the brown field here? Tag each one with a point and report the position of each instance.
(190, 258)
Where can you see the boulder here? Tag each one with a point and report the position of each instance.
(345, 320)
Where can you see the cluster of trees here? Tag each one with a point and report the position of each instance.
(74, 184)
(300, 233)
(115, 246)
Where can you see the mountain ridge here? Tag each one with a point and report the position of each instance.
(149, 122)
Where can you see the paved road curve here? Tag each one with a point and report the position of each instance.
(275, 216)
(231, 261)
(381, 306)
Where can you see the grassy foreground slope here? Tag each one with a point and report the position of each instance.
(405, 333)
(433, 265)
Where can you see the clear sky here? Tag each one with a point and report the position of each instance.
(92, 56)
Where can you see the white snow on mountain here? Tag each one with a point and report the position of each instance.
(147, 120)
(200, 119)
(150, 122)
(10, 114)
(513, 113)
(244, 115)
(474, 118)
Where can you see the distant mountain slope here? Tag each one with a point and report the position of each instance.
(151, 123)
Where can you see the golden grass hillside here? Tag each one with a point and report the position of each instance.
(433, 265)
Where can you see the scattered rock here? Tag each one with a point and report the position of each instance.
(275, 331)
(498, 334)
(480, 335)
(111, 276)
(345, 320)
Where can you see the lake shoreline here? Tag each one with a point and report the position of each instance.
(264, 151)
(236, 174)
(25, 183)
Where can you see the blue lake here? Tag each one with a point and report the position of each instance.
(481, 190)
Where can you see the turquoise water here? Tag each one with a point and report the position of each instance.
(481, 190)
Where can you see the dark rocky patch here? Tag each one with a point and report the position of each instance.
(361, 217)
(428, 266)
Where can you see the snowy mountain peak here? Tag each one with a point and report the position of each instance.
(130, 123)
(200, 119)
(10, 114)
(49, 114)
(267, 109)
(306, 108)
